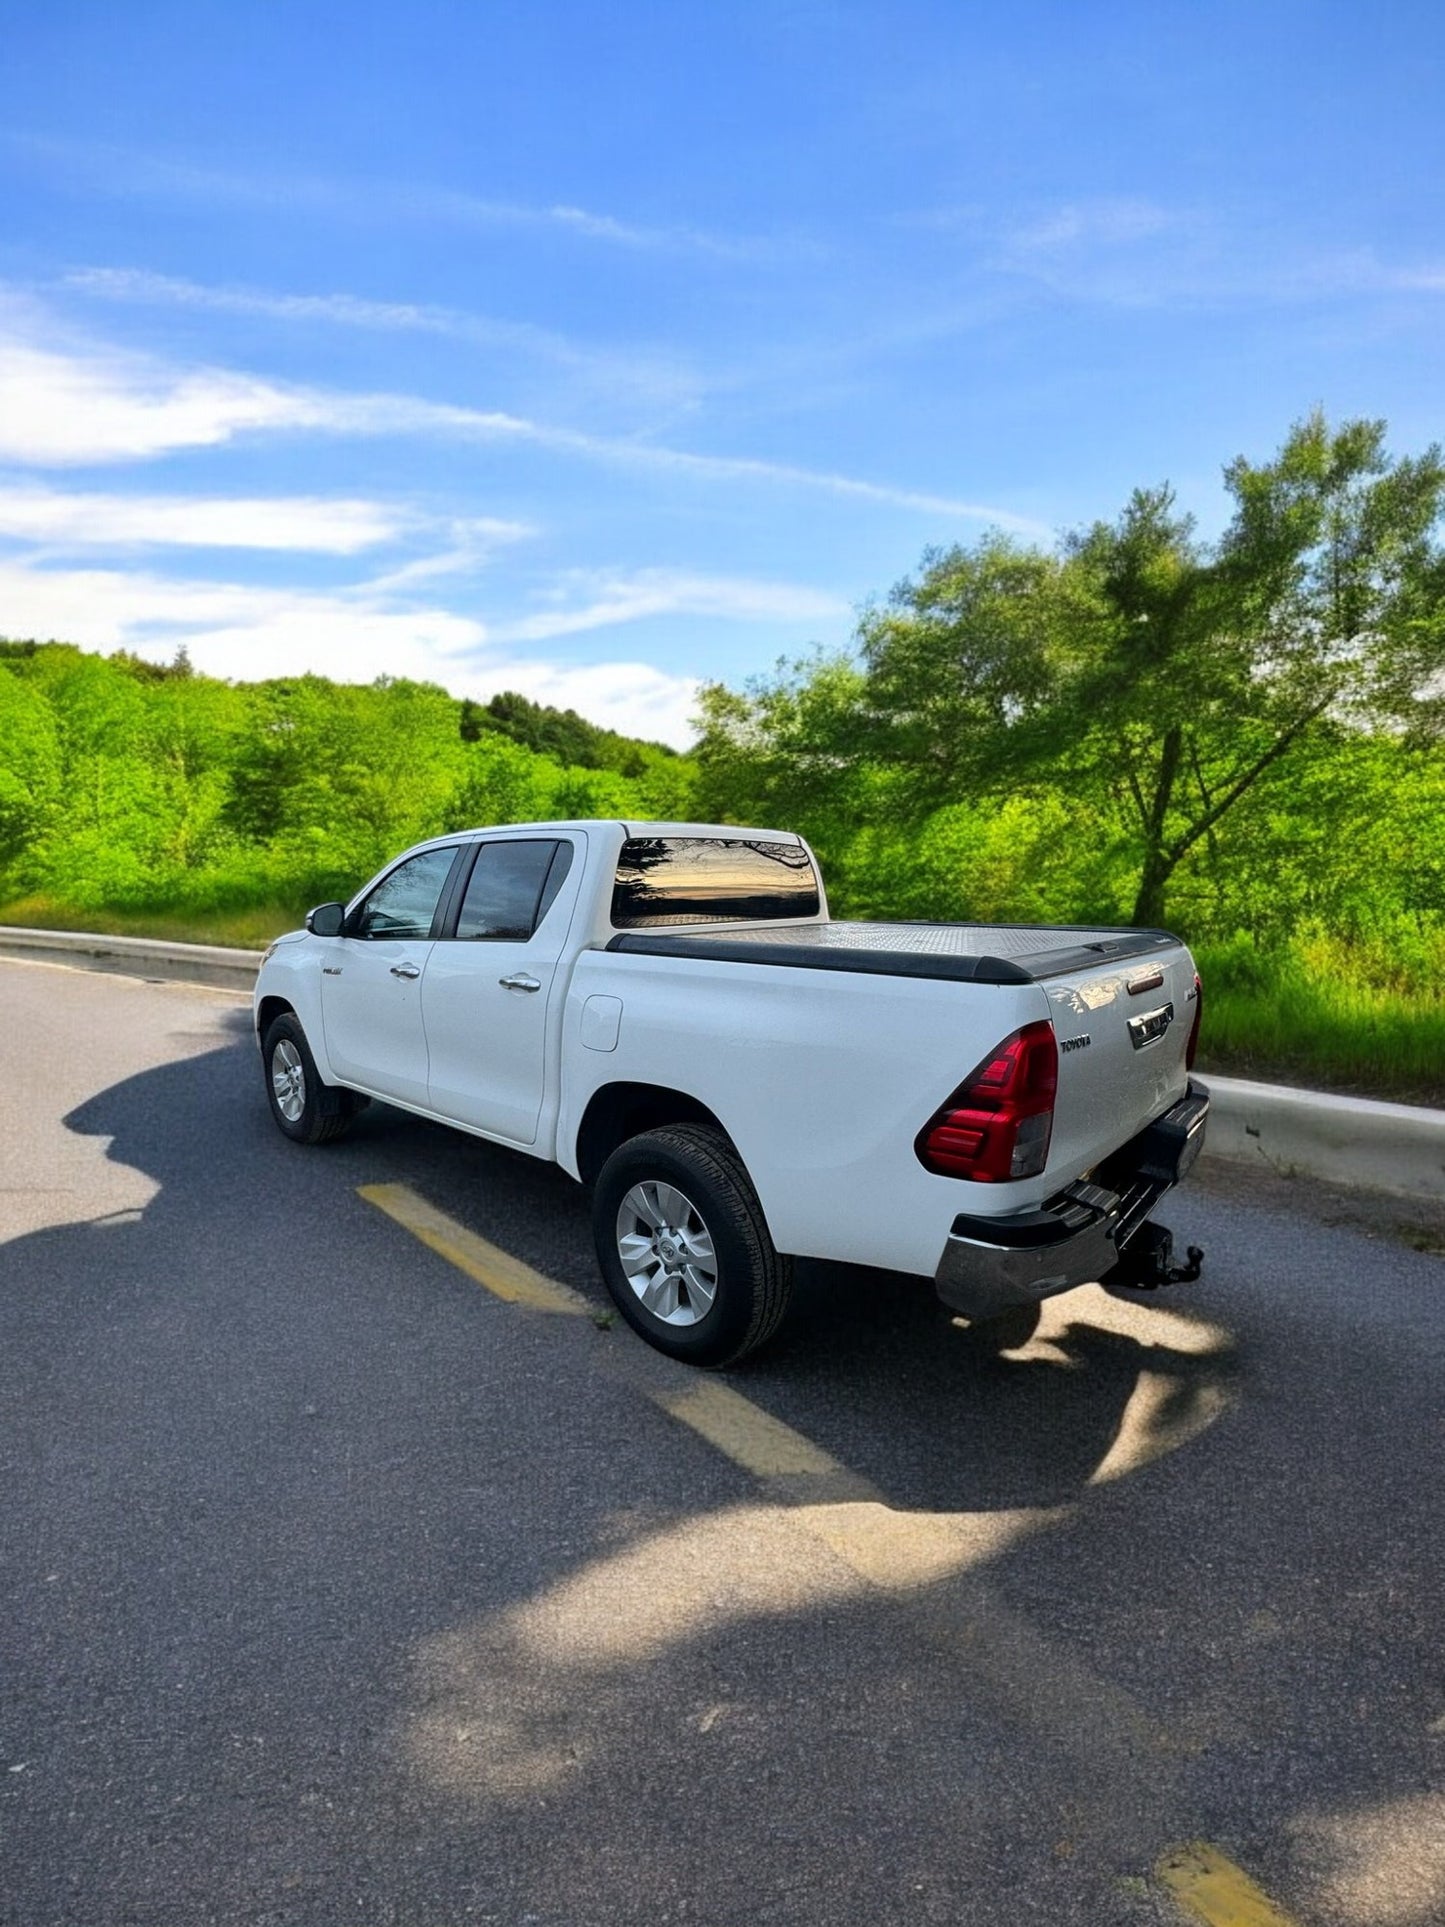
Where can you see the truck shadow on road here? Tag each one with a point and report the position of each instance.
(384, 1591)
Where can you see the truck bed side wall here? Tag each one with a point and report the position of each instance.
(823, 1081)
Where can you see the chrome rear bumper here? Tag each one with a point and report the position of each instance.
(992, 1265)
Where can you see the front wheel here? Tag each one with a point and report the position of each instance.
(684, 1247)
(308, 1111)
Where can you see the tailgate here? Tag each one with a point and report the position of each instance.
(1123, 1031)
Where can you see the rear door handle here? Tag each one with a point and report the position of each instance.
(406, 970)
(519, 980)
(1149, 1028)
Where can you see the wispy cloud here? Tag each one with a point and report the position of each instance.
(60, 408)
(469, 543)
(99, 167)
(1136, 253)
(650, 373)
(608, 599)
(1098, 224)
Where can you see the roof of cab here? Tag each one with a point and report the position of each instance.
(728, 832)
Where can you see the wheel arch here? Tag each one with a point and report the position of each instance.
(268, 1010)
(617, 1112)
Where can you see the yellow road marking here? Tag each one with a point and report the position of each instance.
(1208, 1885)
(503, 1275)
(743, 1432)
(867, 1535)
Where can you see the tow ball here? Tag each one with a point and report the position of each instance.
(1147, 1261)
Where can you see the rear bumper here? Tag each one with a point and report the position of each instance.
(991, 1265)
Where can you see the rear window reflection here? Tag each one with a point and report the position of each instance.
(697, 879)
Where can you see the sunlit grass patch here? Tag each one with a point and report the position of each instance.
(1321, 1013)
(247, 928)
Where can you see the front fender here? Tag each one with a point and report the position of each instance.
(291, 976)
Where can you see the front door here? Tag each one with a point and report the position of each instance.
(488, 987)
(371, 980)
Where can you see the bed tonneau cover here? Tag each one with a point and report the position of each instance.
(978, 953)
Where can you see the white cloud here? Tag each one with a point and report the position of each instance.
(632, 697)
(84, 406)
(612, 599)
(300, 523)
(57, 409)
(247, 633)
(233, 629)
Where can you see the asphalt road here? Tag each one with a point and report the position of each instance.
(336, 1590)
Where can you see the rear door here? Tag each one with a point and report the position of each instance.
(371, 979)
(1123, 1032)
(489, 983)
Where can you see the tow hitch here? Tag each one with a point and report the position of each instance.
(1147, 1261)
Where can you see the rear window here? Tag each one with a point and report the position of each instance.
(705, 879)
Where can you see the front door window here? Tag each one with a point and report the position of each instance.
(405, 901)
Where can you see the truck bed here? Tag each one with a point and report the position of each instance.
(978, 953)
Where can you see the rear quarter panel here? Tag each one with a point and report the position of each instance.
(823, 1081)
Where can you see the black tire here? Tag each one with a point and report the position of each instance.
(326, 1111)
(753, 1279)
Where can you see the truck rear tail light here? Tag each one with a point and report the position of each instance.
(997, 1124)
(1192, 1049)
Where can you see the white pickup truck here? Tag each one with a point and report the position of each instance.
(667, 1011)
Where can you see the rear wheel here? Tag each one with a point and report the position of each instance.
(305, 1109)
(684, 1247)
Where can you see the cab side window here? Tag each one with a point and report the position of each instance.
(404, 902)
(511, 888)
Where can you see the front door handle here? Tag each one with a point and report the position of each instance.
(519, 980)
(406, 970)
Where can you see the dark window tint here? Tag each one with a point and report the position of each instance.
(404, 903)
(700, 879)
(505, 890)
(556, 877)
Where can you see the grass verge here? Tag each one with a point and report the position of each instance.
(1300, 1019)
(248, 929)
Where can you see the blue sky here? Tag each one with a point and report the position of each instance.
(595, 349)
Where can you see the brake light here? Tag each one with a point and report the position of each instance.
(1193, 1046)
(997, 1124)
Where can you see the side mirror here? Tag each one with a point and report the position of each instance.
(326, 919)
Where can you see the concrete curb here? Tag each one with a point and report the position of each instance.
(1396, 1148)
(193, 963)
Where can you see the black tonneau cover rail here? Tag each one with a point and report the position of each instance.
(903, 950)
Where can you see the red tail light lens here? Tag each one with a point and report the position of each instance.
(997, 1124)
(1193, 1046)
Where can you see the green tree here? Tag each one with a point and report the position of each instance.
(1155, 679)
(30, 767)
